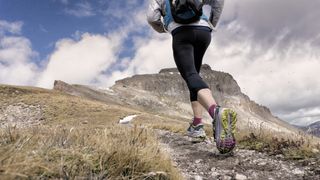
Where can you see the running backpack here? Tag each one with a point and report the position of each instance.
(186, 11)
(224, 129)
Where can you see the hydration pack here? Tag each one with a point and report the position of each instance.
(186, 11)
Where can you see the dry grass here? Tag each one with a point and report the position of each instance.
(293, 147)
(60, 108)
(63, 152)
(173, 124)
(78, 139)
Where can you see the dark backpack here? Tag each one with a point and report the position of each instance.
(186, 11)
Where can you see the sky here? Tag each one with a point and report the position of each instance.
(271, 48)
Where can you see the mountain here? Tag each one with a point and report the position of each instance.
(166, 93)
(313, 129)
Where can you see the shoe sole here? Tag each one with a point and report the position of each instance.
(225, 117)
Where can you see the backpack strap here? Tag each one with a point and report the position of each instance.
(197, 8)
(168, 16)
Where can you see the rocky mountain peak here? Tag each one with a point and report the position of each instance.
(169, 82)
(205, 67)
(62, 86)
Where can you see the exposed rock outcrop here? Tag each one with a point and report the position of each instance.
(20, 115)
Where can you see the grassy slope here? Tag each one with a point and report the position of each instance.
(78, 138)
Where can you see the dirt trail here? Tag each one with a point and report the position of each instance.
(202, 161)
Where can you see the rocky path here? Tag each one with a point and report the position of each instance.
(202, 161)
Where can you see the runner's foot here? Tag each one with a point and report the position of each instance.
(196, 131)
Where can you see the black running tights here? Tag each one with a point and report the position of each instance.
(189, 46)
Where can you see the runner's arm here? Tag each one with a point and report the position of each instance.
(154, 16)
(216, 10)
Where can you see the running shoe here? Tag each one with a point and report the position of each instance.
(196, 131)
(224, 127)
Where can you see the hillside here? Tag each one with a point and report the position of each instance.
(73, 132)
(48, 134)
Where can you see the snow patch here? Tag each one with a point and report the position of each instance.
(105, 90)
(110, 90)
(127, 119)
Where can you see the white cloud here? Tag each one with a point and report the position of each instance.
(10, 27)
(127, 17)
(82, 61)
(285, 82)
(274, 57)
(82, 9)
(151, 56)
(266, 19)
(16, 55)
(16, 64)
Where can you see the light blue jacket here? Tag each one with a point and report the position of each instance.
(157, 10)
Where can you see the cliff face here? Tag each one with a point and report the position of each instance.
(169, 83)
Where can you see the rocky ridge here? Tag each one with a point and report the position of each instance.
(167, 93)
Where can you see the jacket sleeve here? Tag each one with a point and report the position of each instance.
(216, 10)
(154, 16)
